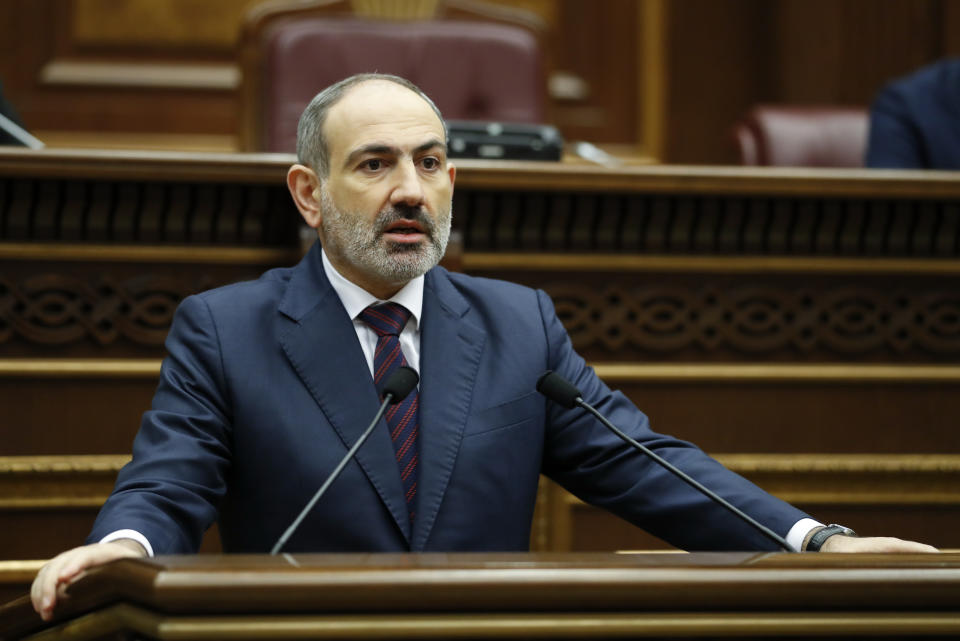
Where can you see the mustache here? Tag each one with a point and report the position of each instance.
(404, 212)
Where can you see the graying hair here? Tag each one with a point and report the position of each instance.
(312, 149)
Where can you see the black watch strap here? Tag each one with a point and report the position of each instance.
(820, 536)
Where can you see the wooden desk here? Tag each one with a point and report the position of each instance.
(477, 596)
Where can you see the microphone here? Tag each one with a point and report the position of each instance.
(561, 391)
(18, 133)
(396, 388)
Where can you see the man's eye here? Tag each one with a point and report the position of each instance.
(430, 163)
(373, 164)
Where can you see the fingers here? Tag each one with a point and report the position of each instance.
(875, 545)
(67, 566)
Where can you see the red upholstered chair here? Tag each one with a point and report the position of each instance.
(475, 65)
(794, 136)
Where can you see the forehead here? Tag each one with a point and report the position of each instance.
(381, 112)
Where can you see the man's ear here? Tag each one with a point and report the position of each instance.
(452, 171)
(303, 184)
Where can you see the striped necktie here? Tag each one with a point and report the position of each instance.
(403, 419)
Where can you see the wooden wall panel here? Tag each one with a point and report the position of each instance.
(597, 531)
(950, 26)
(82, 66)
(725, 57)
(105, 73)
(599, 45)
(171, 24)
(843, 52)
(71, 415)
(828, 416)
(717, 64)
(802, 324)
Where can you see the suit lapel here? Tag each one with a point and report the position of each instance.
(450, 350)
(321, 344)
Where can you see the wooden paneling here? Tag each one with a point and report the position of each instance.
(172, 24)
(599, 45)
(772, 314)
(65, 74)
(717, 64)
(860, 44)
(73, 414)
(727, 56)
(135, 71)
(593, 530)
(950, 28)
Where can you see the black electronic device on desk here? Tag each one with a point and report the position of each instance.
(503, 140)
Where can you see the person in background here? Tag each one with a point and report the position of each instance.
(915, 120)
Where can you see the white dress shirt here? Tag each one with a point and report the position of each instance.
(355, 299)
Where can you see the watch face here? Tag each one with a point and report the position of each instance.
(843, 529)
(820, 537)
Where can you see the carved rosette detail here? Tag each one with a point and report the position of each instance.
(57, 309)
(759, 319)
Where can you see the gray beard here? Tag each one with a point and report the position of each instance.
(351, 236)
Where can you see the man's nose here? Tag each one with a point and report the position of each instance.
(409, 188)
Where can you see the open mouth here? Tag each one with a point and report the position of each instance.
(405, 231)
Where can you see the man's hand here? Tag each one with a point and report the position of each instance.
(874, 544)
(64, 568)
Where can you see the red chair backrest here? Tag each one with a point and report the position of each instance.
(793, 136)
(472, 70)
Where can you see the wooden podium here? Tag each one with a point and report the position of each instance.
(504, 596)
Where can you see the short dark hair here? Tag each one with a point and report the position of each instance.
(312, 149)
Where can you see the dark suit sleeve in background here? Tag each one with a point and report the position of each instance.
(915, 121)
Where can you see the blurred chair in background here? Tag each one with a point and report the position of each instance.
(478, 61)
(796, 136)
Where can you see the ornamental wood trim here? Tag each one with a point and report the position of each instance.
(844, 479)
(19, 572)
(79, 368)
(55, 482)
(815, 373)
(478, 174)
(123, 165)
(116, 197)
(777, 373)
(632, 319)
(576, 262)
(847, 479)
(149, 254)
(503, 175)
(124, 617)
(152, 75)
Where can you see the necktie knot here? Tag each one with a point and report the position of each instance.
(387, 319)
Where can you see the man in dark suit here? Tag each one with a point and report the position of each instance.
(269, 382)
(915, 120)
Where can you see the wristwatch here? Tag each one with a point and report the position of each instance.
(820, 536)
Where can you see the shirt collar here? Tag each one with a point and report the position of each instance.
(355, 299)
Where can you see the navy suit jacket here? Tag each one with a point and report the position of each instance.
(915, 121)
(265, 388)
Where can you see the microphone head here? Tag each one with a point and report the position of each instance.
(400, 383)
(558, 389)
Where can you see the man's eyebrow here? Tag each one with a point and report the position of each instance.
(379, 148)
(430, 144)
(374, 148)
